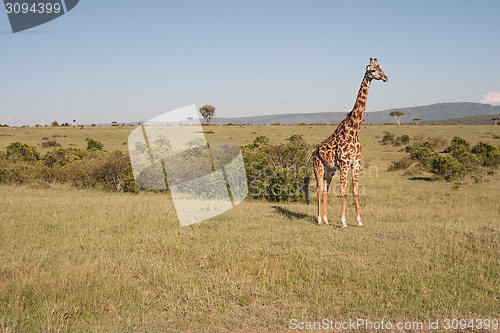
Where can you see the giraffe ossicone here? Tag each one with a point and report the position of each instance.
(342, 150)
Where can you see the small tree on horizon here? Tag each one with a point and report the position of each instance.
(417, 120)
(55, 124)
(207, 112)
(397, 115)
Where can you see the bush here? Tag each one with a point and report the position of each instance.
(446, 167)
(387, 138)
(50, 143)
(259, 140)
(424, 155)
(487, 153)
(427, 144)
(458, 143)
(284, 185)
(404, 139)
(458, 158)
(21, 151)
(470, 161)
(63, 156)
(93, 144)
(276, 172)
(106, 170)
(296, 138)
(19, 172)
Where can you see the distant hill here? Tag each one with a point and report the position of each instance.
(477, 120)
(444, 111)
(431, 112)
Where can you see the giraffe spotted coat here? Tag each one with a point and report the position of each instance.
(342, 150)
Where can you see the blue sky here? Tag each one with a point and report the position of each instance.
(132, 60)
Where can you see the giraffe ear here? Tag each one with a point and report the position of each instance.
(368, 67)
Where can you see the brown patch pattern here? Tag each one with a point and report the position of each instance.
(342, 150)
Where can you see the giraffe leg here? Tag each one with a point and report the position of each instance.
(326, 186)
(319, 172)
(319, 190)
(343, 193)
(355, 180)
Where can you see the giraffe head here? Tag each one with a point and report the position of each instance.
(374, 71)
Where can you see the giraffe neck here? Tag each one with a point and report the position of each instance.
(355, 117)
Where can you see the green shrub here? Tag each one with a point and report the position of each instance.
(457, 160)
(296, 138)
(284, 185)
(93, 144)
(261, 139)
(276, 172)
(106, 170)
(429, 144)
(387, 138)
(470, 161)
(487, 153)
(63, 156)
(50, 143)
(258, 170)
(446, 167)
(404, 139)
(424, 155)
(21, 151)
(25, 172)
(458, 143)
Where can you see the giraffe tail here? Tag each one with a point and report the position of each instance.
(305, 188)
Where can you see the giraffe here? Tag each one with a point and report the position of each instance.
(342, 150)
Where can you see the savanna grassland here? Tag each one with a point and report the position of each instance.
(87, 260)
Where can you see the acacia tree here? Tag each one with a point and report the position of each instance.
(416, 120)
(397, 114)
(207, 112)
